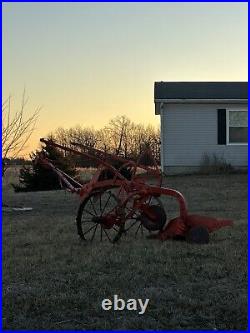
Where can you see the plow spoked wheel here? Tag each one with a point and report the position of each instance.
(95, 211)
(137, 223)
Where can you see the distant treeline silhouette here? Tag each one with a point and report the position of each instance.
(120, 137)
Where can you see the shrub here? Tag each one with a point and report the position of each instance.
(214, 164)
(38, 178)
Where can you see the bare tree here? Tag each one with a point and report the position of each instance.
(118, 131)
(16, 128)
(120, 136)
(85, 135)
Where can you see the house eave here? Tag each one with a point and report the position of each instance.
(196, 101)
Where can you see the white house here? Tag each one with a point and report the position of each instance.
(202, 119)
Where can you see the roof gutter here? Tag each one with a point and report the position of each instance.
(200, 100)
(162, 101)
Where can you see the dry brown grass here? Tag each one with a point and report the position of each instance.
(85, 174)
(53, 281)
(11, 176)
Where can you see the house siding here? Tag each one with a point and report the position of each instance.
(188, 131)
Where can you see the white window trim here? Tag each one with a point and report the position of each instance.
(227, 129)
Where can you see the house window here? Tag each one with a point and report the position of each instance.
(237, 129)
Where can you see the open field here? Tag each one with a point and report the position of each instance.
(52, 280)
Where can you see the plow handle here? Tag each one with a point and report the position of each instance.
(107, 165)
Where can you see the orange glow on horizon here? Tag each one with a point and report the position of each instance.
(86, 63)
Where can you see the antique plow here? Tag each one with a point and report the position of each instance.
(119, 200)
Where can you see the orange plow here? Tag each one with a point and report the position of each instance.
(194, 228)
(119, 200)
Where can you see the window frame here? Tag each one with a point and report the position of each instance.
(238, 109)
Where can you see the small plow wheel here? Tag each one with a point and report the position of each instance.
(157, 222)
(140, 223)
(100, 218)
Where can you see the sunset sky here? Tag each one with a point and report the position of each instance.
(86, 63)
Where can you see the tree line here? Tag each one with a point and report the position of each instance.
(121, 137)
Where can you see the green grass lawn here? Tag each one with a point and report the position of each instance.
(52, 280)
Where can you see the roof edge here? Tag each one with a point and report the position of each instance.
(197, 101)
